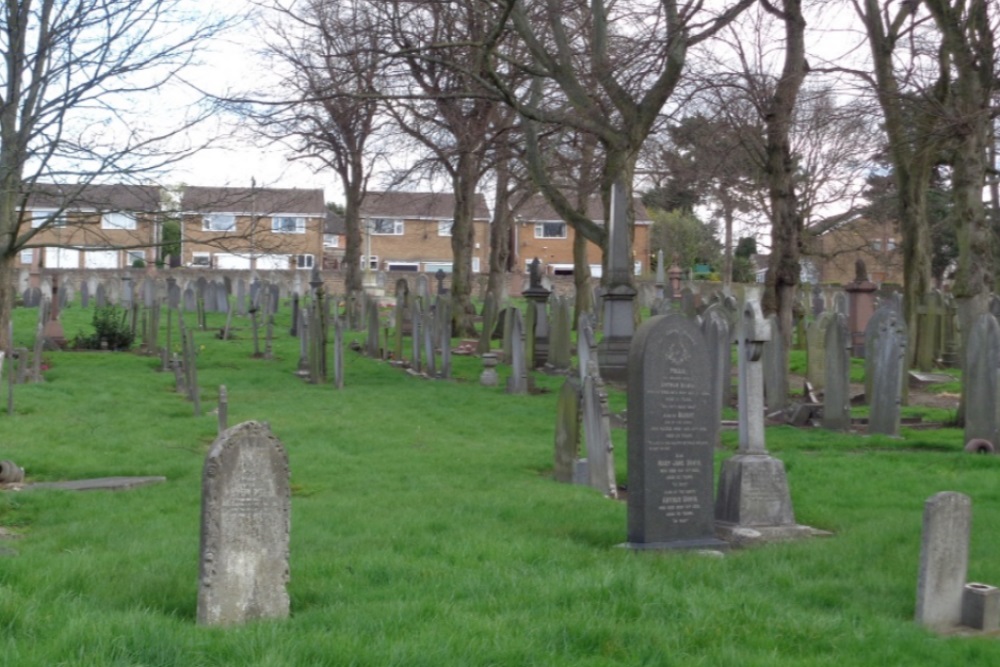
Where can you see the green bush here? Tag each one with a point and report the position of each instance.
(110, 325)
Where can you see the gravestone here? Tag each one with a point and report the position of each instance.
(443, 317)
(944, 560)
(439, 276)
(417, 329)
(567, 440)
(715, 329)
(423, 287)
(537, 319)
(84, 295)
(982, 363)
(148, 292)
(818, 306)
(489, 322)
(816, 350)
(101, 296)
(127, 292)
(753, 486)
(619, 296)
(661, 278)
(837, 392)
(775, 372)
(371, 341)
(872, 332)
(671, 437)
(597, 434)
(241, 297)
(221, 299)
(190, 300)
(517, 383)
(559, 358)
(430, 343)
(338, 352)
(586, 347)
(887, 360)
(245, 520)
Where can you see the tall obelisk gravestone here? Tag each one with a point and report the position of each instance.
(618, 297)
(671, 436)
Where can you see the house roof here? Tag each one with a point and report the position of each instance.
(412, 205)
(262, 201)
(121, 197)
(538, 209)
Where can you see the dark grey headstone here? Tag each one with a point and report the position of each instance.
(567, 444)
(837, 392)
(517, 383)
(245, 520)
(888, 365)
(671, 436)
(597, 435)
(101, 296)
(982, 363)
(718, 342)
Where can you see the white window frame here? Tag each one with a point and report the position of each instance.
(206, 256)
(288, 224)
(432, 267)
(40, 216)
(890, 245)
(304, 261)
(444, 227)
(331, 240)
(373, 262)
(375, 223)
(28, 256)
(542, 227)
(475, 265)
(118, 220)
(210, 222)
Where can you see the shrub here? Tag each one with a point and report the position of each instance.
(110, 325)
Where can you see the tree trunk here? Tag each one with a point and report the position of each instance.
(462, 242)
(581, 278)
(500, 234)
(8, 295)
(352, 223)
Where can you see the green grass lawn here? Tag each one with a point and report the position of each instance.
(426, 530)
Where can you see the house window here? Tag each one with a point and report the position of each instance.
(372, 262)
(136, 256)
(27, 256)
(403, 266)
(890, 245)
(331, 240)
(550, 230)
(288, 224)
(877, 245)
(444, 227)
(39, 218)
(303, 261)
(387, 227)
(218, 222)
(201, 259)
(117, 221)
(475, 265)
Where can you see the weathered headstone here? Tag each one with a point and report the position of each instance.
(586, 347)
(715, 329)
(85, 295)
(944, 560)
(753, 487)
(837, 392)
(245, 520)
(816, 350)
(887, 360)
(517, 383)
(619, 296)
(567, 441)
(597, 434)
(559, 357)
(775, 371)
(671, 437)
(982, 363)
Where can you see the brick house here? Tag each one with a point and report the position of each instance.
(334, 240)
(540, 232)
(247, 228)
(830, 257)
(90, 226)
(411, 231)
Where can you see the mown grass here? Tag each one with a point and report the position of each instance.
(426, 531)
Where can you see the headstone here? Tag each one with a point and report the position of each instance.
(245, 520)
(371, 342)
(241, 297)
(944, 560)
(537, 318)
(423, 287)
(428, 331)
(837, 392)
(597, 434)
(559, 357)
(338, 352)
(816, 350)
(489, 323)
(619, 296)
(671, 437)
(567, 444)
(101, 296)
(517, 383)
(148, 292)
(753, 487)
(982, 363)
(775, 371)
(85, 295)
(586, 347)
(190, 300)
(888, 366)
(661, 278)
(443, 317)
(439, 276)
(715, 329)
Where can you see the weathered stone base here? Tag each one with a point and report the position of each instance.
(747, 536)
(753, 492)
(612, 356)
(705, 543)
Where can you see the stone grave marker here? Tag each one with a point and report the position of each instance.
(559, 357)
(816, 351)
(489, 323)
(837, 392)
(430, 342)
(586, 346)
(982, 363)
(85, 294)
(443, 317)
(887, 361)
(101, 296)
(597, 434)
(190, 300)
(338, 352)
(148, 292)
(817, 301)
(715, 329)
(245, 521)
(775, 372)
(944, 560)
(567, 441)
(517, 383)
(671, 437)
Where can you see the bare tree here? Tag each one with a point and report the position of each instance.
(328, 102)
(72, 71)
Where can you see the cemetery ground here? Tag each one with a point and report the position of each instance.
(426, 529)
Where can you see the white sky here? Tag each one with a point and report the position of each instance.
(228, 64)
